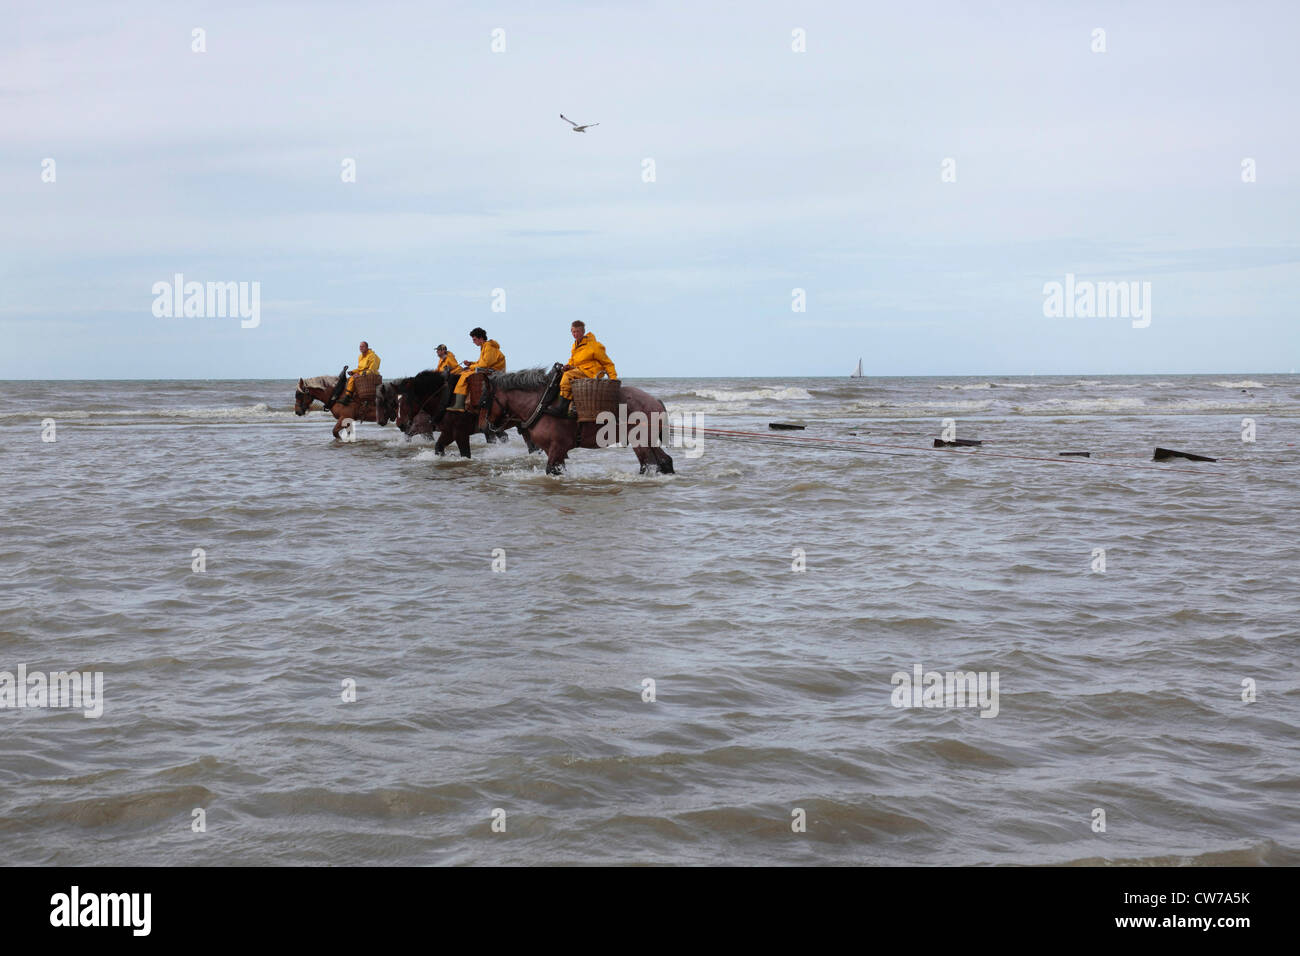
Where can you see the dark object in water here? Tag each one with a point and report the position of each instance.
(785, 426)
(1075, 454)
(1165, 453)
(960, 442)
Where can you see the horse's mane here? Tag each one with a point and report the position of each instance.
(321, 381)
(528, 378)
(425, 383)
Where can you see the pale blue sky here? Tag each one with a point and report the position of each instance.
(775, 170)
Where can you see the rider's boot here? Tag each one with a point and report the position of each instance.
(560, 409)
(458, 405)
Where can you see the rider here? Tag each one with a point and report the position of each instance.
(588, 360)
(489, 357)
(367, 362)
(446, 360)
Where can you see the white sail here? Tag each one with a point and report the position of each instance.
(857, 372)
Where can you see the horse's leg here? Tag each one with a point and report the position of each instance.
(463, 431)
(643, 455)
(561, 445)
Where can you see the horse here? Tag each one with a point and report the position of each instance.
(513, 398)
(420, 404)
(386, 407)
(310, 389)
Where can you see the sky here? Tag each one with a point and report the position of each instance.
(774, 170)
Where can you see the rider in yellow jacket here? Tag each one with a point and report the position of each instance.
(586, 360)
(446, 360)
(367, 362)
(489, 357)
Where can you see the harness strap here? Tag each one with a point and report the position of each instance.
(548, 393)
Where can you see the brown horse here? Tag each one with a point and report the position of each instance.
(419, 405)
(310, 390)
(504, 399)
(387, 398)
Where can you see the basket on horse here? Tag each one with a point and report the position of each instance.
(591, 396)
(365, 385)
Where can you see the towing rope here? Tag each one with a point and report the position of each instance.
(868, 447)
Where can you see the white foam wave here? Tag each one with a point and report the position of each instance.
(1053, 406)
(1243, 384)
(233, 413)
(969, 405)
(790, 393)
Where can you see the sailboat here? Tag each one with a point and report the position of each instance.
(857, 372)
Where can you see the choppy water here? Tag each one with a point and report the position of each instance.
(522, 689)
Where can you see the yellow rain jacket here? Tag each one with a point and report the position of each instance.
(448, 364)
(589, 358)
(489, 356)
(366, 363)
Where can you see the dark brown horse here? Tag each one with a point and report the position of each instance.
(420, 404)
(310, 390)
(387, 397)
(504, 399)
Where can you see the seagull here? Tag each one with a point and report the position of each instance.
(576, 127)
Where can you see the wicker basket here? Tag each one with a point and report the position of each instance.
(591, 396)
(365, 385)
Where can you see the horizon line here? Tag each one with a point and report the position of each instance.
(724, 377)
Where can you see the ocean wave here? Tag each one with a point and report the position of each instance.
(1247, 383)
(259, 412)
(1129, 405)
(710, 409)
(968, 405)
(982, 386)
(1054, 406)
(790, 393)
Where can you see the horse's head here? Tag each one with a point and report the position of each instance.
(385, 403)
(480, 397)
(427, 392)
(302, 399)
(405, 411)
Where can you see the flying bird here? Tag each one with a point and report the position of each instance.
(576, 127)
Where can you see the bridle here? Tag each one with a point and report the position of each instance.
(485, 408)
